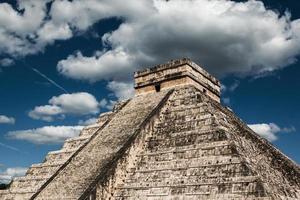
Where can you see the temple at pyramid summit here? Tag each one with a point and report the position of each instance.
(172, 140)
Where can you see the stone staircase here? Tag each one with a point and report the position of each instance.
(38, 174)
(87, 166)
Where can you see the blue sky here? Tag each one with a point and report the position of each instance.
(63, 63)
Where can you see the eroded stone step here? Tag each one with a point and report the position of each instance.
(210, 182)
(203, 125)
(181, 119)
(196, 197)
(26, 187)
(184, 140)
(202, 146)
(17, 196)
(198, 107)
(43, 169)
(185, 176)
(28, 184)
(191, 154)
(161, 134)
(172, 193)
(188, 163)
(73, 144)
(89, 130)
(230, 169)
(79, 138)
(182, 115)
(59, 156)
(199, 121)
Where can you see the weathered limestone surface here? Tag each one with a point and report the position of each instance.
(175, 141)
(196, 149)
(99, 155)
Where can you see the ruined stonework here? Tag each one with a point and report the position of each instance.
(173, 140)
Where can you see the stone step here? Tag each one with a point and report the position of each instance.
(224, 169)
(180, 119)
(29, 178)
(184, 99)
(42, 165)
(188, 163)
(187, 93)
(35, 177)
(185, 182)
(196, 197)
(43, 169)
(190, 154)
(206, 125)
(59, 156)
(200, 107)
(208, 173)
(198, 121)
(160, 134)
(27, 186)
(161, 143)
(19, 195)
(89, 130)
(23, 183)
(179, 102)
(76, 143)
(172, 193)
(180, 94)
(79, 138)
(27, 190)
(180, 149)
(184, 114)
(104, 117)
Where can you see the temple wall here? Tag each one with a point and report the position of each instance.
(184, 81)
(172, 76)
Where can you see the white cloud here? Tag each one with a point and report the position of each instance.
(6, 62)
(31, 27)
(28, 21)
(7, 120)
(45, 112)
(103, 65)
(269, 131)
(7, 175)
(80, 103)
(88, 121)
(46, 134)
(122, 90)
(67, 12)
(76, 103)
(51, 32)
(245, 37)
(17, 29)
(108, 104)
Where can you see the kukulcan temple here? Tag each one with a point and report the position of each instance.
(172, 141)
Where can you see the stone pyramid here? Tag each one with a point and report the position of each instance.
(173, 140)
